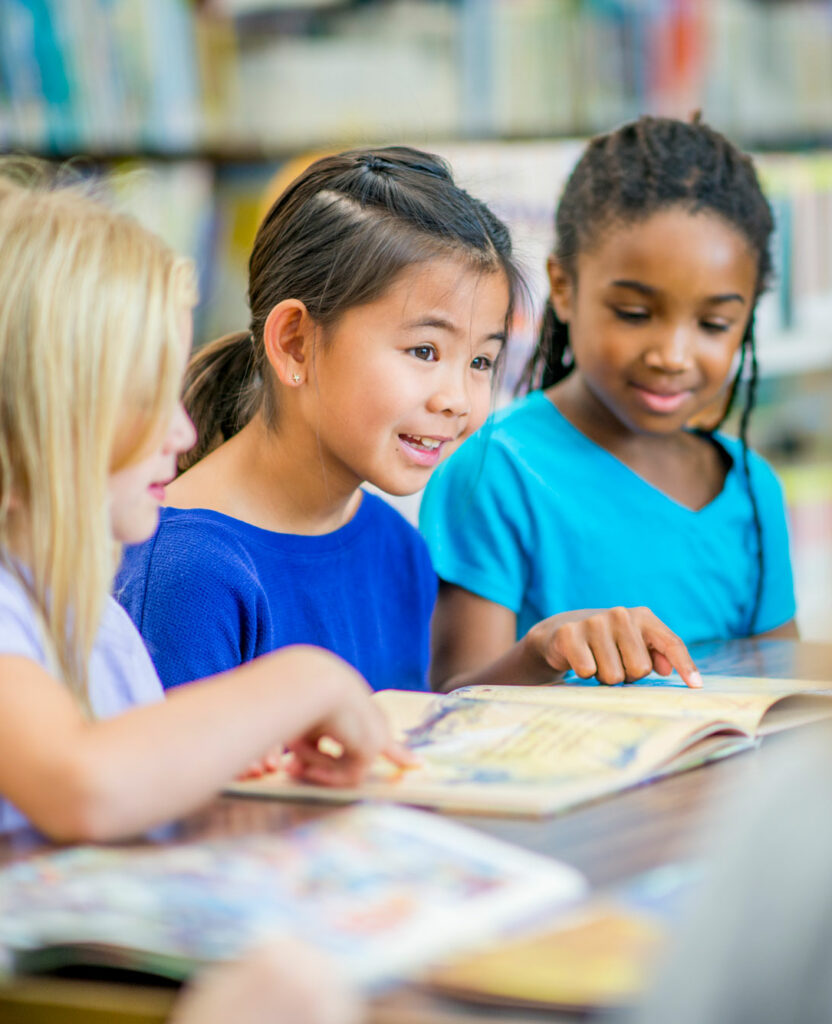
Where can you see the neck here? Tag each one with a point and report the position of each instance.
(578, 403)
(276, 480)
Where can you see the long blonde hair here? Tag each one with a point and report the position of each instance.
(90, 369)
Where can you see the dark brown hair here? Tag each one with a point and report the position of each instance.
(337, 238)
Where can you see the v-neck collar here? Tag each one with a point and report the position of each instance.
(623, 468)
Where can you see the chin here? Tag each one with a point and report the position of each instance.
(403, 492)
(136, 532)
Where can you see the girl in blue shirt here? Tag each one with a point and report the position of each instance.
(596, 489)
(380, 297)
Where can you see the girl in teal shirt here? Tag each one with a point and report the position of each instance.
(596, 490)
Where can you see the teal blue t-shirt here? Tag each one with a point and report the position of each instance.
(531, 514)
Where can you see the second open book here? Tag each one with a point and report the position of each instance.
(523, 750)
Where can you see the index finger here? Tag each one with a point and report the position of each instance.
(672, 648)
(400, 755)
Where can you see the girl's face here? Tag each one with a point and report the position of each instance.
(656, 316)
(401, 381)
(137, 490)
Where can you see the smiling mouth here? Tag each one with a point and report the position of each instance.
(421, 443)
(662, 401)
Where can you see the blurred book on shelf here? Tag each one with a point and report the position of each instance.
(264, 76)
(95, 75)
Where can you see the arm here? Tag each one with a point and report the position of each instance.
(474, 643)
(81, 780)
(788, 631)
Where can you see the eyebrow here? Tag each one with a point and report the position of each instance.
(646, 289)
(446, 325)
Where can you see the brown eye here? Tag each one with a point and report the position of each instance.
(427, 353)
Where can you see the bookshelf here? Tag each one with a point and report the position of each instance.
(262, 78)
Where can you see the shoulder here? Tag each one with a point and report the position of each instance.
(526, 431)
(528, 421)
(206, 540)
(765, 481)
(195, 554)
(503, 457)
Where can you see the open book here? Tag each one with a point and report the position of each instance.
(522, 750)
(383, 890)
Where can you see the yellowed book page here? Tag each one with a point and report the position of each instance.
(510, 757)
(597, 957)
(743, 701)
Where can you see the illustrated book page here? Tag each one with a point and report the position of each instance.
(538, 750)
(383, 890)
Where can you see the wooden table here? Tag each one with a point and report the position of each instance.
(608, 841)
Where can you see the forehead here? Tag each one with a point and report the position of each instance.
(674, 249)
(449, 285)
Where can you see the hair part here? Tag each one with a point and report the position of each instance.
(337, 238)
(91, 358)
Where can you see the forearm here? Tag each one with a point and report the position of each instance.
(521, 665)
(122, 775)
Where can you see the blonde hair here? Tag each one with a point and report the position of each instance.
(91, 358)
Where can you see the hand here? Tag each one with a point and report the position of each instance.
(615, 645)
(340, 746)
(280, 981)
(265, 765)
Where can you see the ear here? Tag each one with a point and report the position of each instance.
(287, 337)
(561, 289)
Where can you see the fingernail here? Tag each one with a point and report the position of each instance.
(694, 679)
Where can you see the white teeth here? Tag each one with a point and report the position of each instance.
(427, 442)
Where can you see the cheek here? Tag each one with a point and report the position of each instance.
(602, 347)
(719, 363)
(481, 403)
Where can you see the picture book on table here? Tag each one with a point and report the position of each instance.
(383, 890)
(537, 750)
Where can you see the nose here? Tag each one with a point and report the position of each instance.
(450, 394)
(672, 350)
(181, 433)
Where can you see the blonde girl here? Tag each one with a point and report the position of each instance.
(94, 338)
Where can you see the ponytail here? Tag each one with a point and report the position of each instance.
(222, 393)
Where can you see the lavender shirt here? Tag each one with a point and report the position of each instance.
(121, 673)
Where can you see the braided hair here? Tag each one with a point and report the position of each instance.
(625, 177)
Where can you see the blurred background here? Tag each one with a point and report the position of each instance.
(196, 113)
